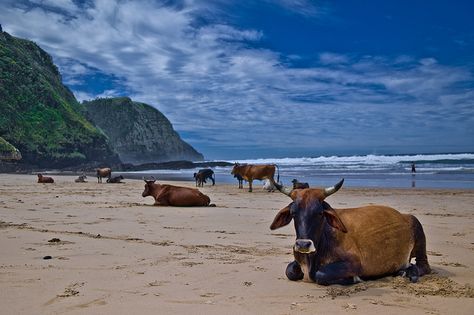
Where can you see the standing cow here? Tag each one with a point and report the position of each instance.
(268, 185)
(250, 172)
(103, 173)
(169, 195)
(343, 246)
(204, 174)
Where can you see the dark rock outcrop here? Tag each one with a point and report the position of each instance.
(139, 132)
(172, 165)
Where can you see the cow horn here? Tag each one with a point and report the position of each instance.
(331, 190)
(283, 189)
(147, 179)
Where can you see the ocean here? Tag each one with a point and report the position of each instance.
(389, 171)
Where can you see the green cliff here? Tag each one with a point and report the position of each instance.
(139, 132)
(40, 116)
(8, 152)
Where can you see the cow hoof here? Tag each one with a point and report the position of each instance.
(423, 268)
(357, 279)
(320, 278)
(412, 273)
(293, 271)
(414, 279)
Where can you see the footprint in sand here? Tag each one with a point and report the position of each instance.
(70, 290)
(99, 301)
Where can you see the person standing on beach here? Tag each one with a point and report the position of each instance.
(413, 169)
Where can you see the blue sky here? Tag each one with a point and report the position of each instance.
(284, 78)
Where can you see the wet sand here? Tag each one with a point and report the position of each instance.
(112, 252)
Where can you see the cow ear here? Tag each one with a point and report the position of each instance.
(282, 218)
(333, 220)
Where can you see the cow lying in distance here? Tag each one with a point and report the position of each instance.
(115, 180)
(81, 179)
(202, 175)
(299, 185)
(169, 195)
(103, 173)
(45, 179)
(343, 246)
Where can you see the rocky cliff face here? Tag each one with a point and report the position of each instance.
(138, 132)
(40, 116)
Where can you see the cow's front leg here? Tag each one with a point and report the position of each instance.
(294, 272)
(250, 185)
(162, 200)
(341, 272)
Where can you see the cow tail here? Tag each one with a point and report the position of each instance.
(278, 173)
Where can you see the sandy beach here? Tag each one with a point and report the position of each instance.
(112, 252)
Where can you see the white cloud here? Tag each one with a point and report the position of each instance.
(214, 85)
(332, 58)
(302, 7)
(66, 5)
(428, 61)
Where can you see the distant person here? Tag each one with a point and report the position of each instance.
(413, 168)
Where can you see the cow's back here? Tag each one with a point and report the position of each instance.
(381, 236)
(186, 197)
(206, 173)
(104, 172)
(259, 172)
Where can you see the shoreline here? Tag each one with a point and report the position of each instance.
(408, 183)
(116, 253)
(229, 180)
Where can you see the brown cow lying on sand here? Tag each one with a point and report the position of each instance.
(343, 246)
(102, 173)
(169, 195)
(45, 179)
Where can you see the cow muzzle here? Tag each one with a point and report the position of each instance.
(304, 246)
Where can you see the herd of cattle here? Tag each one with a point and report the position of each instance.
(332, 246)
